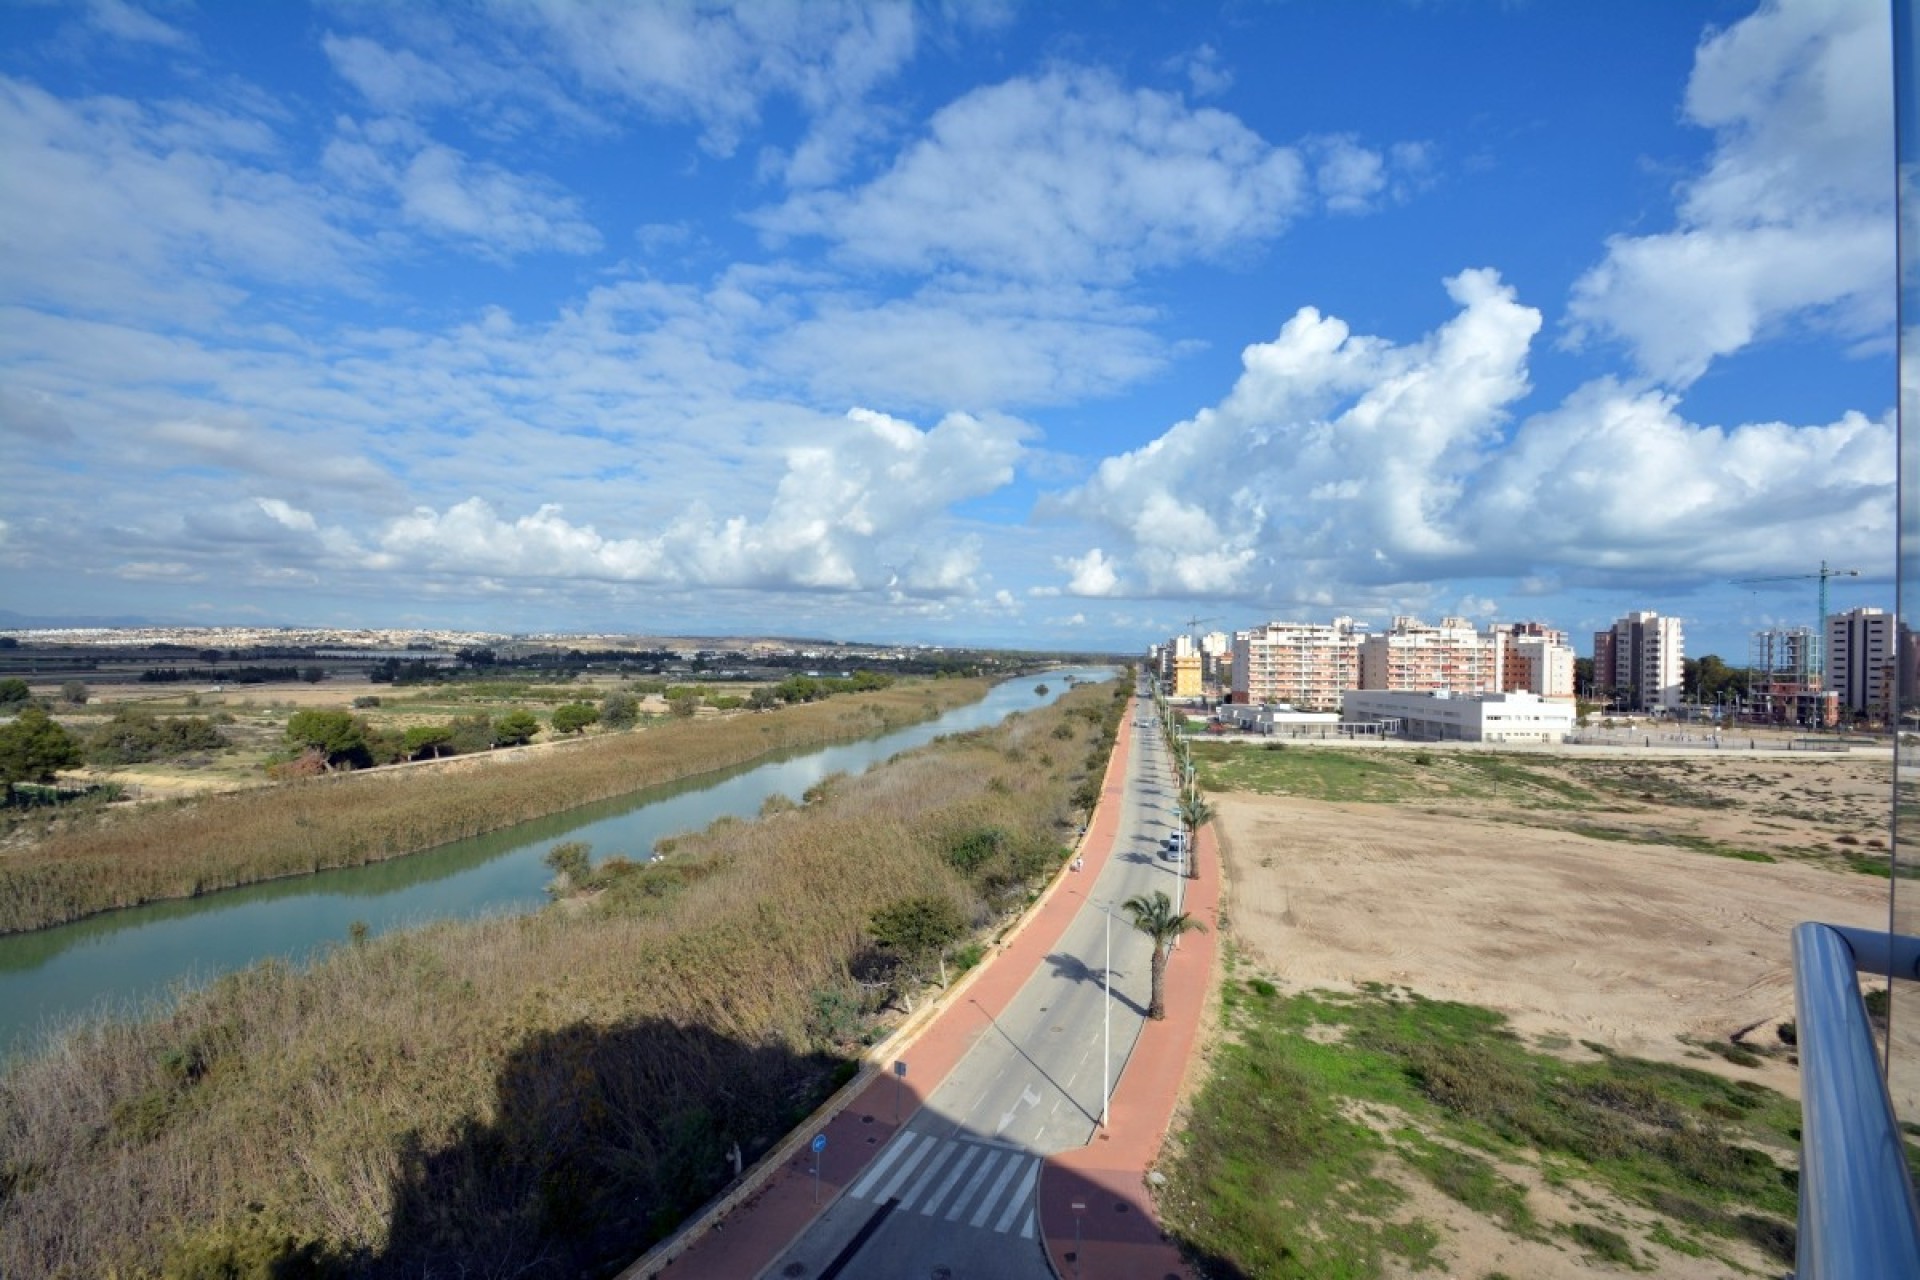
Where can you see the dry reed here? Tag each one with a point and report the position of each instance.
(201, 845)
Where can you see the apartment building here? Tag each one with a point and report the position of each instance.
(1451, 658)
(1641, 661)
(1216, 658)
(1860, 660)
(1538, 659)
(1299, 664)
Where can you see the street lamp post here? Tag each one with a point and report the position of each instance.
(1106, 1019)
(1180, 865)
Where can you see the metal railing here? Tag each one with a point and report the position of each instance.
(1858, 1216)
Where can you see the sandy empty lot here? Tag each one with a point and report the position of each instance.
(1641, 947)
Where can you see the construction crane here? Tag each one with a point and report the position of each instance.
(1817, 665)
(1193, 624)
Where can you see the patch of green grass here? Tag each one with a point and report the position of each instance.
(1475, 1183)
(1663, 782)
(1270, 1152)
(1667, 1238)
(1738, 1055)
(1680, 840)
(1316, 774)
(1282, 1182)
(1388, 777)
(1603, 1243)
(1533, 785)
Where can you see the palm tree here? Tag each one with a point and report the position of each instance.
(1195, 812)
(1153, 915)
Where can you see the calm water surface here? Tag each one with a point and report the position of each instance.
(134, 960)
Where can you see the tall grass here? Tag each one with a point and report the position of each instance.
(536, 1096)
(196, 846)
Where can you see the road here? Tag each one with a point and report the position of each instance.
(952, 1194)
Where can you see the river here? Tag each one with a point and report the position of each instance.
(126, 963)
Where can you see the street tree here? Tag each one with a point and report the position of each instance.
(1153, 915)
(1195, 812)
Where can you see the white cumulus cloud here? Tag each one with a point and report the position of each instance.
(1068, 175)
(1341, 465)
(1792, 222)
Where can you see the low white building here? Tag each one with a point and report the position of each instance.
(1439, 717)
(1275, 719)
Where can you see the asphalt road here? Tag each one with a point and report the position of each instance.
(951, 1197)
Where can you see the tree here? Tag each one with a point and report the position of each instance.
(1709, 676)
(762, 699)
(471, 734)
(799, 689)
(14, 692)
(1195, 812)
(1153, 915)
(341, 737)
(683, 703)
(572, 864)
(427, 741)
(312, 675)
(574, 717)
(619, 710)
(515, 729)
(916, 931)
(133, 736)
(74, 693)
(33, 748)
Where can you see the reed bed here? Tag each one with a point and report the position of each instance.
(534, 1096)
(190, 847)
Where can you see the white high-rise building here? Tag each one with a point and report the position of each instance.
(1548, 667)
(1538, 659)
(1449, 658)
(1860, 659)
(1642, 661)
(1304, 665)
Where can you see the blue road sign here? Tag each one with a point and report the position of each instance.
(819, 1142)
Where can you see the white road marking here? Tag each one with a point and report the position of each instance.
(886, 1159)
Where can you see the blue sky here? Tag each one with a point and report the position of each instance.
(1048, 325)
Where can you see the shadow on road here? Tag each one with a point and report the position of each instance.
(1074, 969)
(1044, 1073)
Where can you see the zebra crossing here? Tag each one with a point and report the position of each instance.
(982, 1184)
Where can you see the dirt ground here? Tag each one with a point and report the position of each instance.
(1650, 949)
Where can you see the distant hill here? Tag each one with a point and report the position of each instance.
(11, 621)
